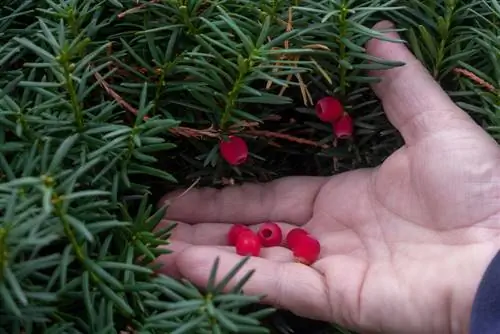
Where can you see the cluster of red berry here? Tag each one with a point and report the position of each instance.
(331, 110)
(235, 150)
(305, 247)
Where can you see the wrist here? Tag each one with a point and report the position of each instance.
(478, 286)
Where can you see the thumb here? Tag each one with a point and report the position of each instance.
(414, 102)
(292, 286)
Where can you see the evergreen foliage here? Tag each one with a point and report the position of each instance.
(104, 105)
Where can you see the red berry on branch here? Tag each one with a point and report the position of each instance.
(344, 127)
(234, 150)
(270, 234)
(294, 235)
(248, 243)
(234, 233)
(329, 109)
(306, 250)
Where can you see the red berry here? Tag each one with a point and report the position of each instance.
(234, 150)
(344, 127)
(306, 250)
(294, 235)
(329, 109)
(270, 234)
(234, 233)
(248, 243)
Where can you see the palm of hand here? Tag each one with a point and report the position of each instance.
(403, 245)
(394, 234)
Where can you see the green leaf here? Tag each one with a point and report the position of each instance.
(8, 301)
(86, 193)
(190, 305)
(87, 299)
(261, 314)
(172, 314)
(230, 275)
(247, 42)
(46, 297)
(188, 326)
(213, 275)
(134, 54)
(31, 84)
(294, 33)
(351, 45)
(496, 5)
(157, 147)
(8, 56)
(226, 43)
(117, 300)
(345, 64)
(170, 283)
(429, 41)
(80, 227)
(102, 274)
(240, 319)
(365, 31)
(264, 32)
(15, 286)
(62, 152)
(116, 143)
(124, 267)
(225, 322)
(245, 115)
(89, 58)
(141, 169)
(36, 49)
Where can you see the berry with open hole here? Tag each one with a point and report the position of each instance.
(344, 127)
(270, 234)
(329, 109)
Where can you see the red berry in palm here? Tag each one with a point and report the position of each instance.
(248, 243)
(329, 109)
(270, 234)
(294, 235)
(234, 150)
(306, 250)
(344, 127)
(234, 233)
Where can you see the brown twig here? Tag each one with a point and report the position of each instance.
(304, 91)
(209, 132)
(195, 133)
(289, 26)
(263, 133)
(116, 96)
(274, 144)
(135, 9)
(475, 78)
(168, 202)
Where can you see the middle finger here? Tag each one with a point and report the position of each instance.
(213, 234)
(168, 262)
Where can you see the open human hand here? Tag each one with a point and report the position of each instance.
(404, 245)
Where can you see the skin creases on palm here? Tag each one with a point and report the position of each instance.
(398, 229)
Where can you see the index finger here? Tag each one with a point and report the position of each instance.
(413, 101)
(288, 199)
(292, 286)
